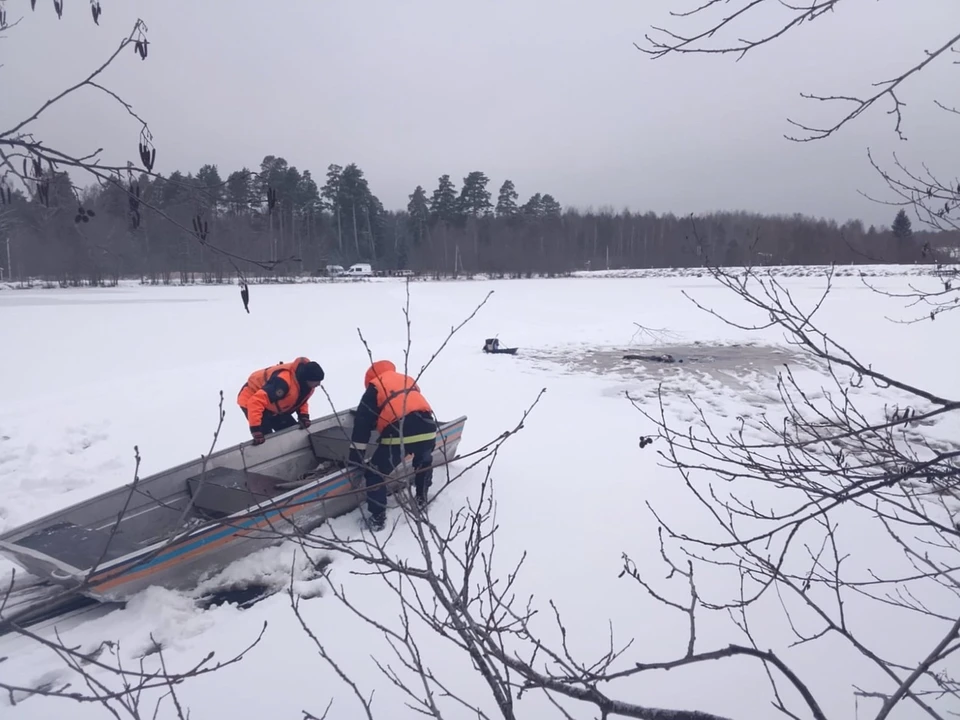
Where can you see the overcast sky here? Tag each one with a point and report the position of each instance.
(549, 93)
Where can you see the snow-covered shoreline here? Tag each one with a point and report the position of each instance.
(623, 274)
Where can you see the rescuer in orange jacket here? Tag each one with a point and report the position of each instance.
(393, 405)
(271, 395)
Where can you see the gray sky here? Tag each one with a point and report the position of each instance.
(550, 93)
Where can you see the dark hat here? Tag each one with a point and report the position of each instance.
(310, 372)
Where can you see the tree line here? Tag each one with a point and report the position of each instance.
(164, 229)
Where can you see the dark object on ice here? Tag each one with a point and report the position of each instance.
(243, 597)
(665, 358)
(492, 345)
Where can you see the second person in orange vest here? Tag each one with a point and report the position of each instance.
(270, 396)
(393, 405)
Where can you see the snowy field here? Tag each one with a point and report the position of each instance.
(89, 374)
(785, 271)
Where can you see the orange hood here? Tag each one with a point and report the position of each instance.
(377, 369)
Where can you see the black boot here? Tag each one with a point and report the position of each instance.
(377, 521)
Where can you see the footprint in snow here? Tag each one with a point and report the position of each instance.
(52, 681)
(67, 484)
(16, 458)
(82, 438)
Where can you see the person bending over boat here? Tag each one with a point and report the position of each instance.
(393, 404)
(271, 395)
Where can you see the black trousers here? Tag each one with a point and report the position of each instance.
(274, 423)
(387, 457)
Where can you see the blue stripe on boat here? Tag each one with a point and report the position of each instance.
(212, 534)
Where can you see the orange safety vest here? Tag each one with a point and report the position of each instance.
(397, 396)
(255, 401)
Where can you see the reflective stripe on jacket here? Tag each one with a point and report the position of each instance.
(389, 397)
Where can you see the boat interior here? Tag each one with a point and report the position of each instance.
(153, 509)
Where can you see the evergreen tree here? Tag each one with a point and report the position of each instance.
(273, 172)
(211, 188)
(419, 213)
(239, 190)
(289, 190)
(308, 194)
(902, 227)
(283, 178)
(173, 189)
(507, 200)
(360, 211)
(551, 208)
(330, 199)
(376, 225)
(345, 222)
(443, 204)
(902, 237)
(114, 200)
(330, 192)
(402, 253)
(474, 200)
(533, 208)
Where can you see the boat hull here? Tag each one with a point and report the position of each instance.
(184, 556)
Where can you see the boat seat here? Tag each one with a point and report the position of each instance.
(78, 546)
(224, 491)
(331, 443)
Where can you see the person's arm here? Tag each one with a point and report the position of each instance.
(273, 390)
(303, 412)
(304, 409)
(364, 421)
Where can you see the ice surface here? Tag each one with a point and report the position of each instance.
(89, 374)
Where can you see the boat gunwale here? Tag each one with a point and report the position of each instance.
(251, 510)
(222, 522)
(266, 508)
(126, 487)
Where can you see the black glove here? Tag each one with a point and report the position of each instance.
(304, 420)
(258, 437)
(356, 458)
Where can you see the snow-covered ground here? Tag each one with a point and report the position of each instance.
(870, 271)
(89, 374)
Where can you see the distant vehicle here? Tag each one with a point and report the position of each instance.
(334, 269)
(360, 270)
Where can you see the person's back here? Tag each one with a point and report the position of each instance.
(272, 394)
(393, 404)
(399, 397)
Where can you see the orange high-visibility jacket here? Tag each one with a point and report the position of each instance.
(397, 394)
(274, 389)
